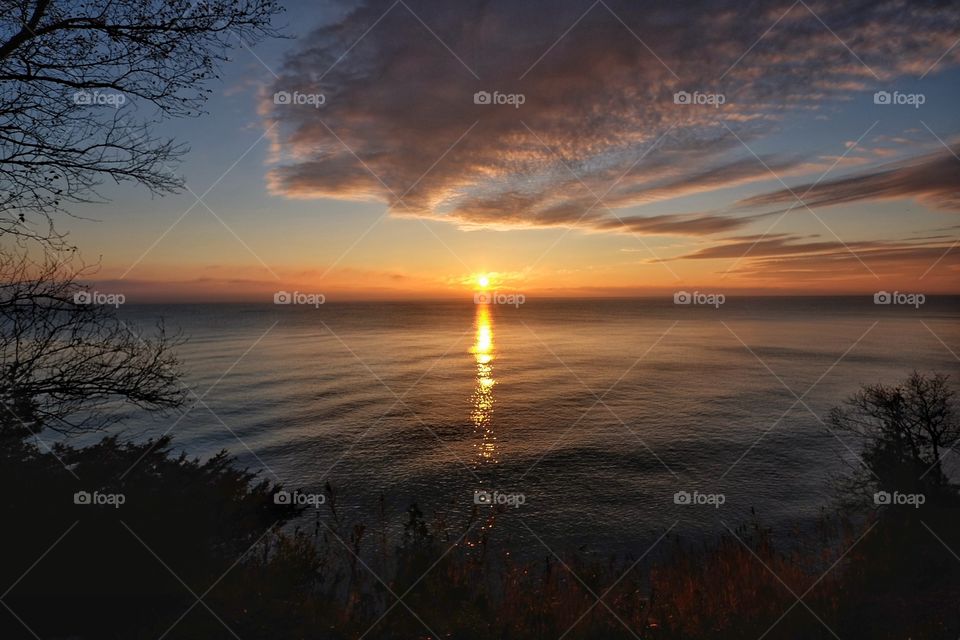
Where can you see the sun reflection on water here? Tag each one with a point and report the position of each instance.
(481, 412)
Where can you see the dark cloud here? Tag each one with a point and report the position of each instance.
(676, 225)
(758, 246)
(598, 120)
(784, 244)
(908, 263)
(798, 260)
(933, 180)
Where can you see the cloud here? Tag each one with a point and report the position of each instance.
(799, 260)
(676, 224)
(933, 180)
(929, 267)
(598, 128)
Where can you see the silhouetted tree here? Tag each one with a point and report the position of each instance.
(71, 73)
(67, 363)
(901, 579)
(82, 82)
(905, 431)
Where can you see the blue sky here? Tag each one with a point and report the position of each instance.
(513, 191)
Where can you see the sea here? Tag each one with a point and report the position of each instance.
(590, 424)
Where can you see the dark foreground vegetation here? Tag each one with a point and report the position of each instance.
(201, 550)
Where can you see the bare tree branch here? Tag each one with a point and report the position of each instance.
(70, 365)
(75, 77)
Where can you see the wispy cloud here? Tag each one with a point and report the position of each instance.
(933, 180)
(800, 260)
(598, 128)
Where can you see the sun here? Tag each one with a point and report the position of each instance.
(483, 281)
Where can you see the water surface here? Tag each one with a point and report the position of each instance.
(597, 411)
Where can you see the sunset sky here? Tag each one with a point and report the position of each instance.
(599, 183)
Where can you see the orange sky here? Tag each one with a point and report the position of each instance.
(703, 158)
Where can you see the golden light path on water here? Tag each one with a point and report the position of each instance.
(481, 411)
